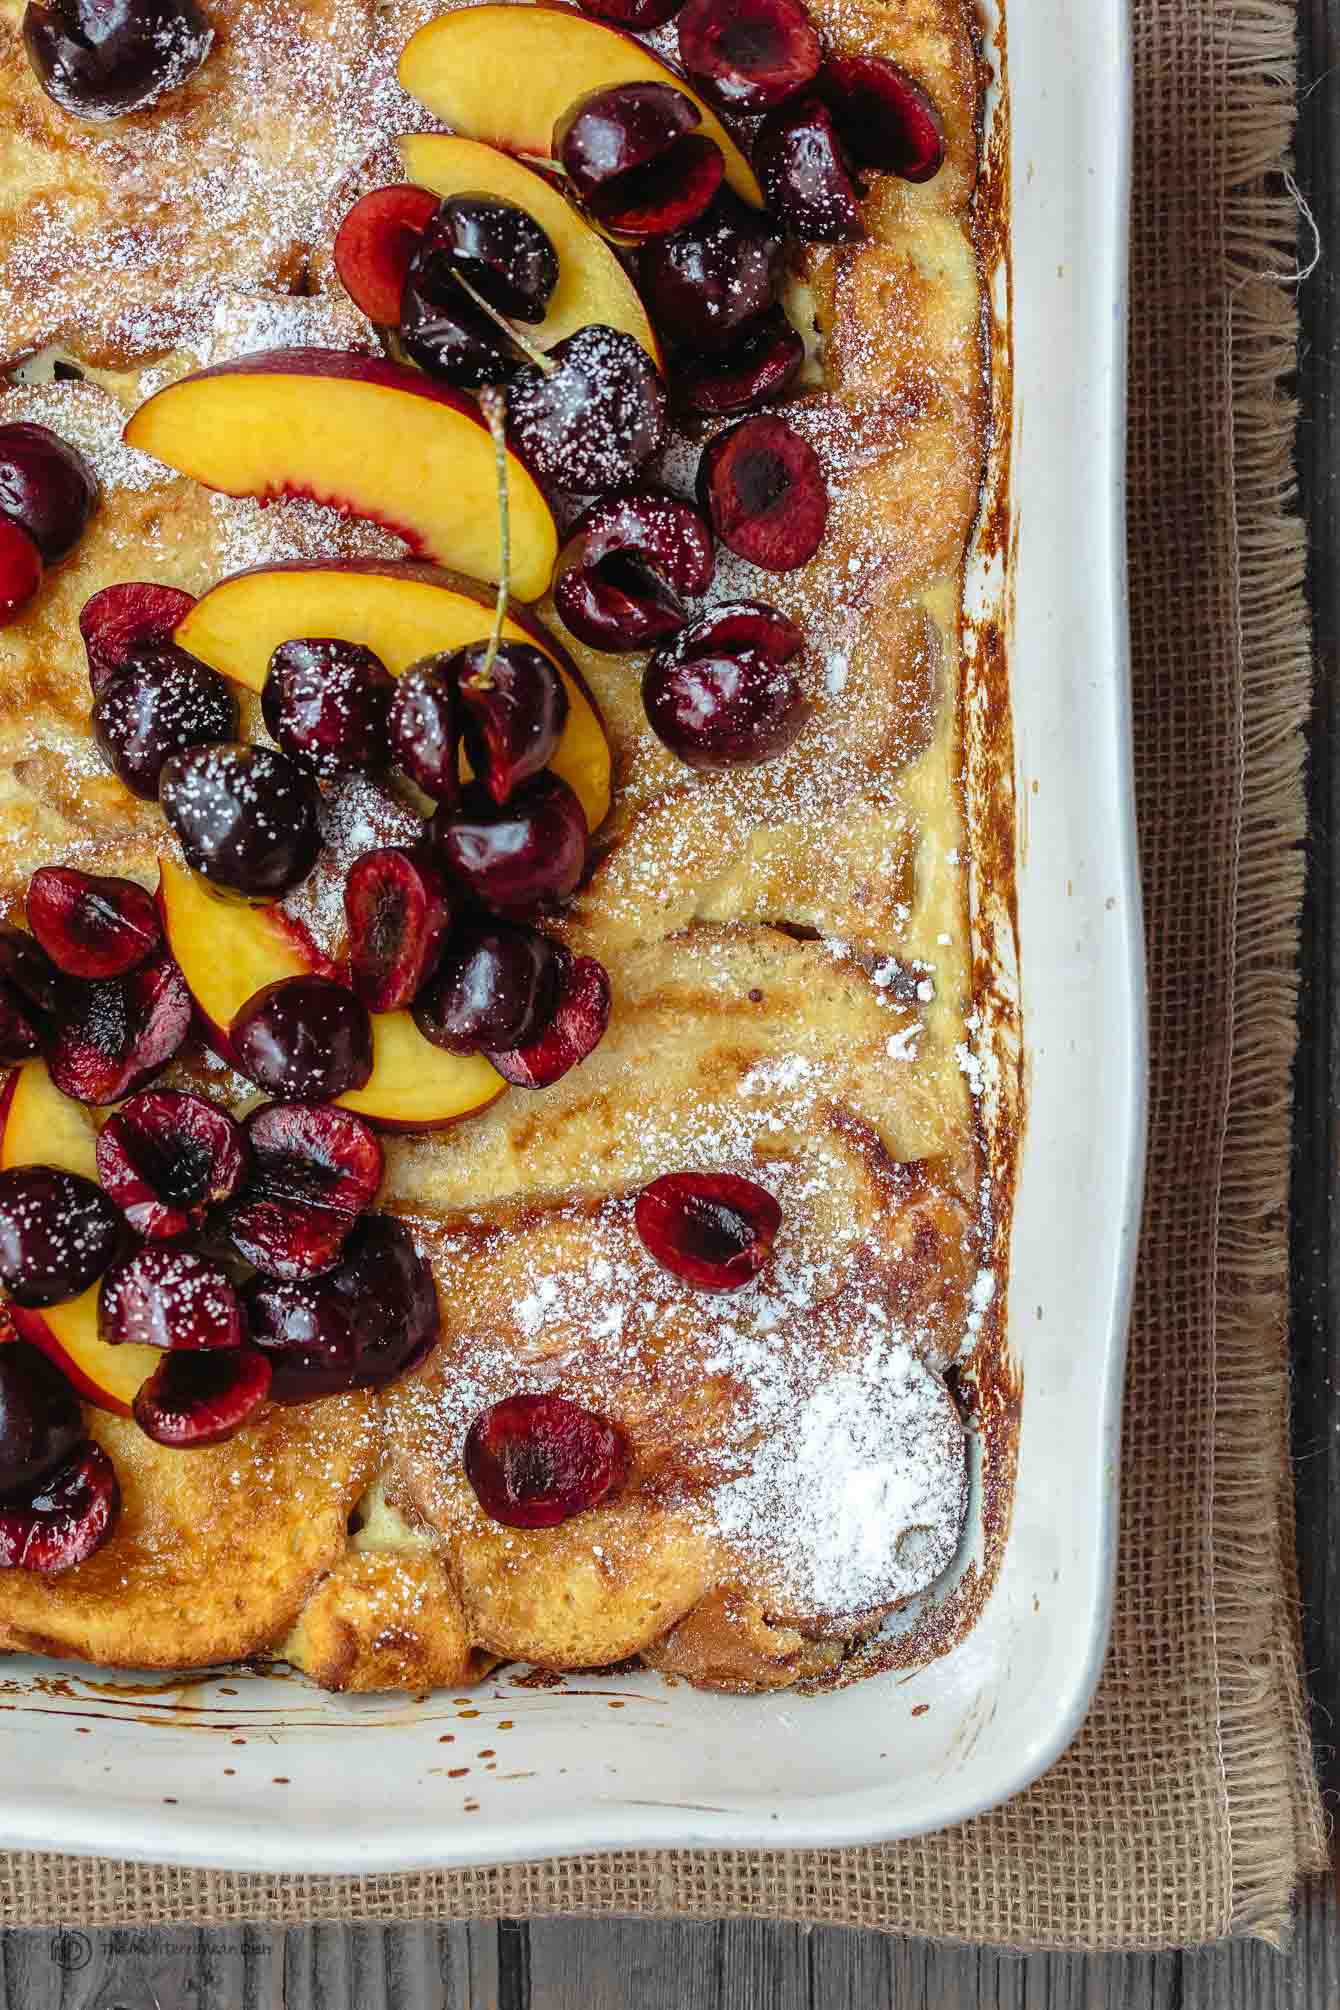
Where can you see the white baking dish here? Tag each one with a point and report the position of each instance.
(258, 1772)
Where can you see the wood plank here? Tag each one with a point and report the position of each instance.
(413, 1967)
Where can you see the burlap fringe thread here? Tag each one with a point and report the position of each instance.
(995, 1879)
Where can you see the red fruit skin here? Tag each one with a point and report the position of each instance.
(748, 55)
(535, 1461)
(20, 570)
(47, 488)
(512, 716)
(114, 1036)
(68, 1517)
(375, 243)
(763, 490)
(631, 14)
(398, 912)
(723, 711)
(575, 1031)
(199, 1399)
(91, 925)
(169, 1298)
(519, 857)
(733, 625)
(316, 1169)
(303, 1039)
(757, 369)
(884, 116)
(628, 560)
(119, 620)
(712, 1230)
(167, 1157)
(804, 175)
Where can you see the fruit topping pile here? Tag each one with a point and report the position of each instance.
(161, 1258)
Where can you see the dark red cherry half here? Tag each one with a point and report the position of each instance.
(524, 855)
(167, 1297)
(635, 156)
(116, 621)
(374, 246)
(46, 488)
(66, 1518)
(809, 186)
(575, 1030)
(115, 1035)
(41, 1424)
(624, 572)
(305, 1039)
(590, 422)
(729, 710)
(58, 1233)
(733, 625)
(315, 1170)
(372, 1318)
(496, 987)
(759, 367)
(20, 570)
(202, 1398)
(398, 912)
(713, 1230)
(166, 1157)
(425, 731)
(763, 490)
(103, 59)
(885, 118)
(90, 925)
(512, 712)
(535, 1461)
(31, 992)
(635, 14)
(705, 284)
(747, 55)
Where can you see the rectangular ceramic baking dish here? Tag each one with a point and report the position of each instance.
(257, 1772)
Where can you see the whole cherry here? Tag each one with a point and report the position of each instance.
(627, 567)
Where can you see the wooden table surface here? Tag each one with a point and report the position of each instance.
(738, 1965)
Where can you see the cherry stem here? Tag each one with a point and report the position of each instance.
(493, 405)
(527, 347)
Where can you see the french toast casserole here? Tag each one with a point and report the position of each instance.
(491, 1165)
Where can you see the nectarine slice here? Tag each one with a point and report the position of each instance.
(371, 438)
(592, 285)
(505, 74)
(401, 612)
(40, 1126)
(416, 1086)
(227, 951)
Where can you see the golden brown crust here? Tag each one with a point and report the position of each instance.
(216, 1549)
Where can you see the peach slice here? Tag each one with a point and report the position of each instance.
(370, 438)
(40, 1126)
(227, 951)
(505, 74)
(592, 285)
(415, 1086)
(401, 612)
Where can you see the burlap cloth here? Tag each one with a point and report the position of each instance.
(1187, 1809)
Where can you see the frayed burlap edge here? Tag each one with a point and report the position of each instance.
(1053, 1880)
(1256, 1585)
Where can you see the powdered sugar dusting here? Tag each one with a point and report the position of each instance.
(357, 815)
